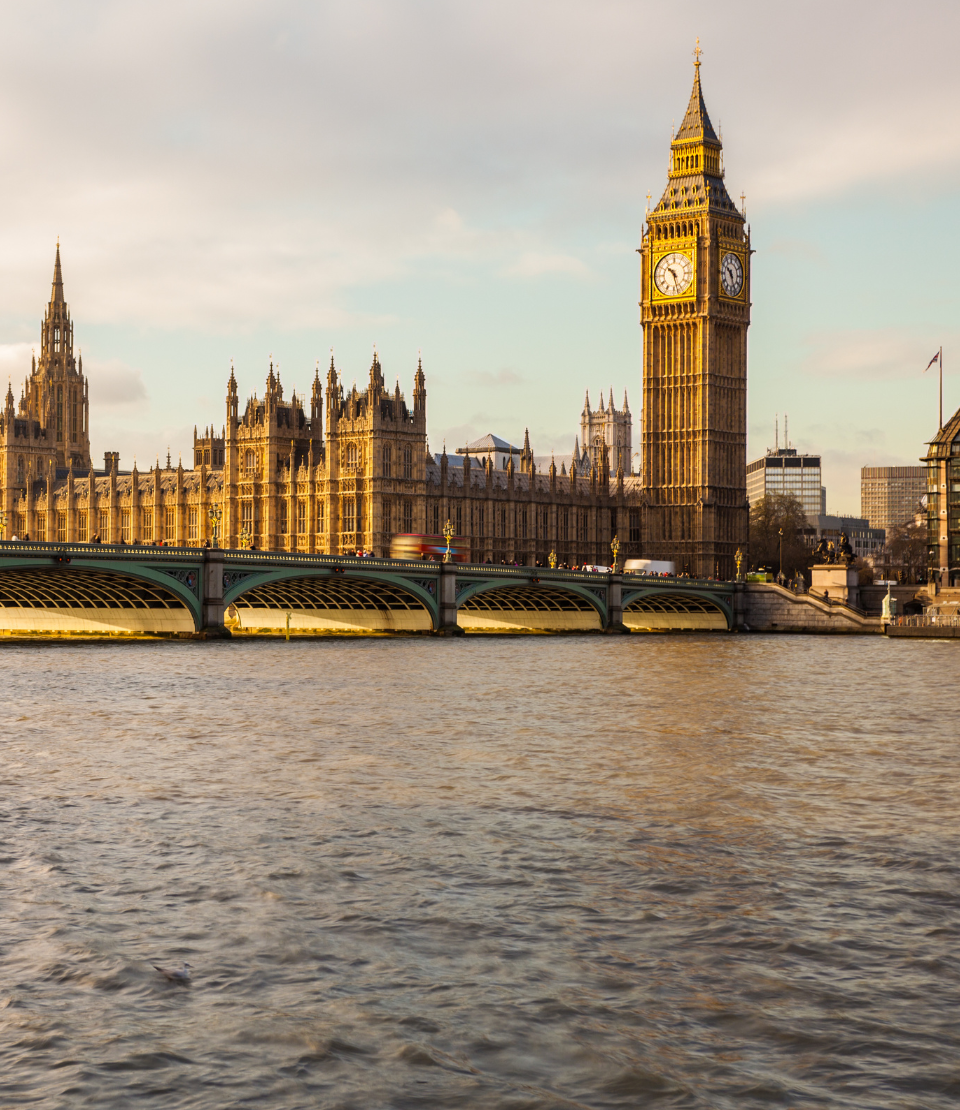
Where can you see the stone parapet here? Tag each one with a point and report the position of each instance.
(771, 608)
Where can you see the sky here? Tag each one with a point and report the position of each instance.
(235, 181)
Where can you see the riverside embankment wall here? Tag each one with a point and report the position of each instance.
(770, 608)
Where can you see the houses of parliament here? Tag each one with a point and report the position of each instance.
(346, 470)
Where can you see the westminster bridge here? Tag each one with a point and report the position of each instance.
(103, 589)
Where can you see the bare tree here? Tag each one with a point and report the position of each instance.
(768, 516)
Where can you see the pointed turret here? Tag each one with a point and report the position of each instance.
(696, 160)
(56, 294)
(696, 122)
(419, 388)
(613, 407)
(586, 403)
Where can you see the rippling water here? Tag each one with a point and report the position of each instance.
(506, 872)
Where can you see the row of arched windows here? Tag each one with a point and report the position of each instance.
(684, 230)
(686, 161)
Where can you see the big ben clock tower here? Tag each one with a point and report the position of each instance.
(695, 311)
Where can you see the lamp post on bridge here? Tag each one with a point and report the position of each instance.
(552, 560)
(780, 567)
(448, 534)
(245, 537)
(615, 548)
(216, 515)
(3, 524)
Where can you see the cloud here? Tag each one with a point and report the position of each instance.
(503, 377)
(884, 354)
(114, 384)
(532, 264)
(15, 363)
(798, 248)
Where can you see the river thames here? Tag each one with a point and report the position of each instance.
(527, 872)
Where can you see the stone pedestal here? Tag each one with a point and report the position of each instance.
(836, 582)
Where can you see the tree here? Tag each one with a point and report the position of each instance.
(768, 516)
(907, 551)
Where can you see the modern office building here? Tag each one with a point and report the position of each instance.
(890, 496)
(785, 471)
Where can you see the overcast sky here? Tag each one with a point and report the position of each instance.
(235, 180)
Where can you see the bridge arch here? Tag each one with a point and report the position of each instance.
(87, 597)
(330, 600)
(529, 605)
(665, 608)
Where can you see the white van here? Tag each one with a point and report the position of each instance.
(649, 566)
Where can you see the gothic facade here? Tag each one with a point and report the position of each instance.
(332, 473)
(695, 311)
(346, 470)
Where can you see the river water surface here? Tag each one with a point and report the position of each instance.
(691, 871)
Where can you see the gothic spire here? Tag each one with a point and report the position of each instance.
(56, 295)
(696, 123)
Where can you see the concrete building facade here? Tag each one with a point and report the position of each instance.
(784, 471)
(891, 496)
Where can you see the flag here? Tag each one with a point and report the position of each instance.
(936, 358)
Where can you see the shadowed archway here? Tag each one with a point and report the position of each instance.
(331, 602)
(84, 600)
(655, 611)
(529, 607)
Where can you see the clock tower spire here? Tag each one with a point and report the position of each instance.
(695, 311)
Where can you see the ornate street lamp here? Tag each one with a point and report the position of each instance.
(3, 524)
(615, 548)
(216, 515)
(448, 534)
(552, 559)
(739, 560)
(780, 568)
(245, 537)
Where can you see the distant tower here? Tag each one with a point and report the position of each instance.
(56, 391)
(695, 311)
(608, 427)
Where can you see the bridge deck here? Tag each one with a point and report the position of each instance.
(107, 588)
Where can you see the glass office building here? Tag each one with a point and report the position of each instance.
(784, 471)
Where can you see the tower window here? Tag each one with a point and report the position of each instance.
(407, 463)
(56, 339)
(387, 460)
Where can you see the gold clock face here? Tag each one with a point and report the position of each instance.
(731, 274)
(673, 274)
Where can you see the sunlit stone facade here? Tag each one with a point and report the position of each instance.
(695, 310)
(333, 473)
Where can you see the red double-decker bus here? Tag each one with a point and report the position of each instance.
(410, 546)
